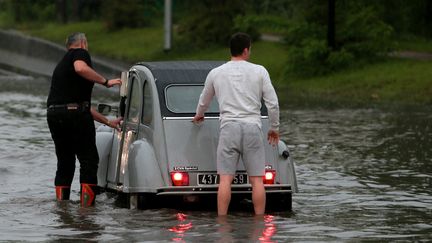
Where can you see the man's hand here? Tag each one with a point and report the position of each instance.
(273, 137)
(113, 82)
(197, 119)
(115, 123)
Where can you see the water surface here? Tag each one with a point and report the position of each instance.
(363, 174)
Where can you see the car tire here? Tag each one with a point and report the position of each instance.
(279, 202)
(146, 201)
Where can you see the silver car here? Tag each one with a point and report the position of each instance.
(160, 155)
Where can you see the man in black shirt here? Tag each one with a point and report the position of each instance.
(70, 119)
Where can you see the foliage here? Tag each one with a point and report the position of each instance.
(88, 9)
(118, 14)
(414, 43)
(28, 10)
(360, 37)
(246, 25)
(281, 8)
(6, 19)
(406, 17)
(364, 34)
(262, 24)
(212, 22)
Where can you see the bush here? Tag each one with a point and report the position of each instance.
(360, 37)
(31, 11)
(247, 25)
(309, 58)
(118, 14)
(212, 22)
(364, 35)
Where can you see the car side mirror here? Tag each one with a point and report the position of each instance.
(283, 150)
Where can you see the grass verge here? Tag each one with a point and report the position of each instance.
(398, 81)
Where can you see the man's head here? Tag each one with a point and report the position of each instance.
(240, 44)
(76, 40)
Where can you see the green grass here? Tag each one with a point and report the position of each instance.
(390, 81)
(128, 44)
(399, 81)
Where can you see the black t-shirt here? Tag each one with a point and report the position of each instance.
(66, 85)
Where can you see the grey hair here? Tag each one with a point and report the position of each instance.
(74, 38)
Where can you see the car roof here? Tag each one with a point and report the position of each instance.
(168, 73)
(180, 72)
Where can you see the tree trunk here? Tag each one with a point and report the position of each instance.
(62, 11)
(331, 25)
(75, 10)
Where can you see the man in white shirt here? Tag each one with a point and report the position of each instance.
(239, 87)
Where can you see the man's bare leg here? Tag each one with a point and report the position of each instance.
(258, 194)
(224, 194)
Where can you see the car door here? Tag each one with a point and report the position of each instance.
(130, 126)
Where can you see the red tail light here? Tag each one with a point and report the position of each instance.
(180, 178)
(269, 177)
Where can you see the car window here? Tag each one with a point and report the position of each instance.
(147, 105)
(184, 98)
(134, 100)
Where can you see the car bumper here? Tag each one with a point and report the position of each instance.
(197, 190)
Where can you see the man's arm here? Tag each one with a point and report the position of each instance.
(102, 119)
(204, 100)
(272, 104)
(88, 73)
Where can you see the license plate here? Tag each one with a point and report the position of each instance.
(213, 179)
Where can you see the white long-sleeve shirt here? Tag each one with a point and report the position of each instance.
(239, 87)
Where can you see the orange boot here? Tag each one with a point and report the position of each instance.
(88, 194)
(62, 192)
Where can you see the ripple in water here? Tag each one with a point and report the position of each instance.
(364, 174)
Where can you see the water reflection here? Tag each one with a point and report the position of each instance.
(255, 229)
(181, 228)
(80, 221)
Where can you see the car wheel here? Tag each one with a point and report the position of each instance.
(146, 201)
(279, 202)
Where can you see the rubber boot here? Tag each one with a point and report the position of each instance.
(62, 192)
(88, 194)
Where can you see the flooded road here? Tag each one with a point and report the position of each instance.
(363, 174)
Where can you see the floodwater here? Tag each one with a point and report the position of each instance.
(363, 175)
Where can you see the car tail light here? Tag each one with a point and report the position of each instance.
(269, 177)
(180, 178)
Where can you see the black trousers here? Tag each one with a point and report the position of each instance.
(74, 135)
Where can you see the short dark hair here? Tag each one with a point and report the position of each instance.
(239, 41)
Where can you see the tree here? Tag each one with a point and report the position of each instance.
(316, 47)
(61, 7)
(331, 43)
(211, 22)
(118, 14)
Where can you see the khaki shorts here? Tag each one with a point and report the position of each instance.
(241, 139)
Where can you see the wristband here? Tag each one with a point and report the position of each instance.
(106, 82)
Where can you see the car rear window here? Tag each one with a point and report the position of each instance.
(184, 99)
